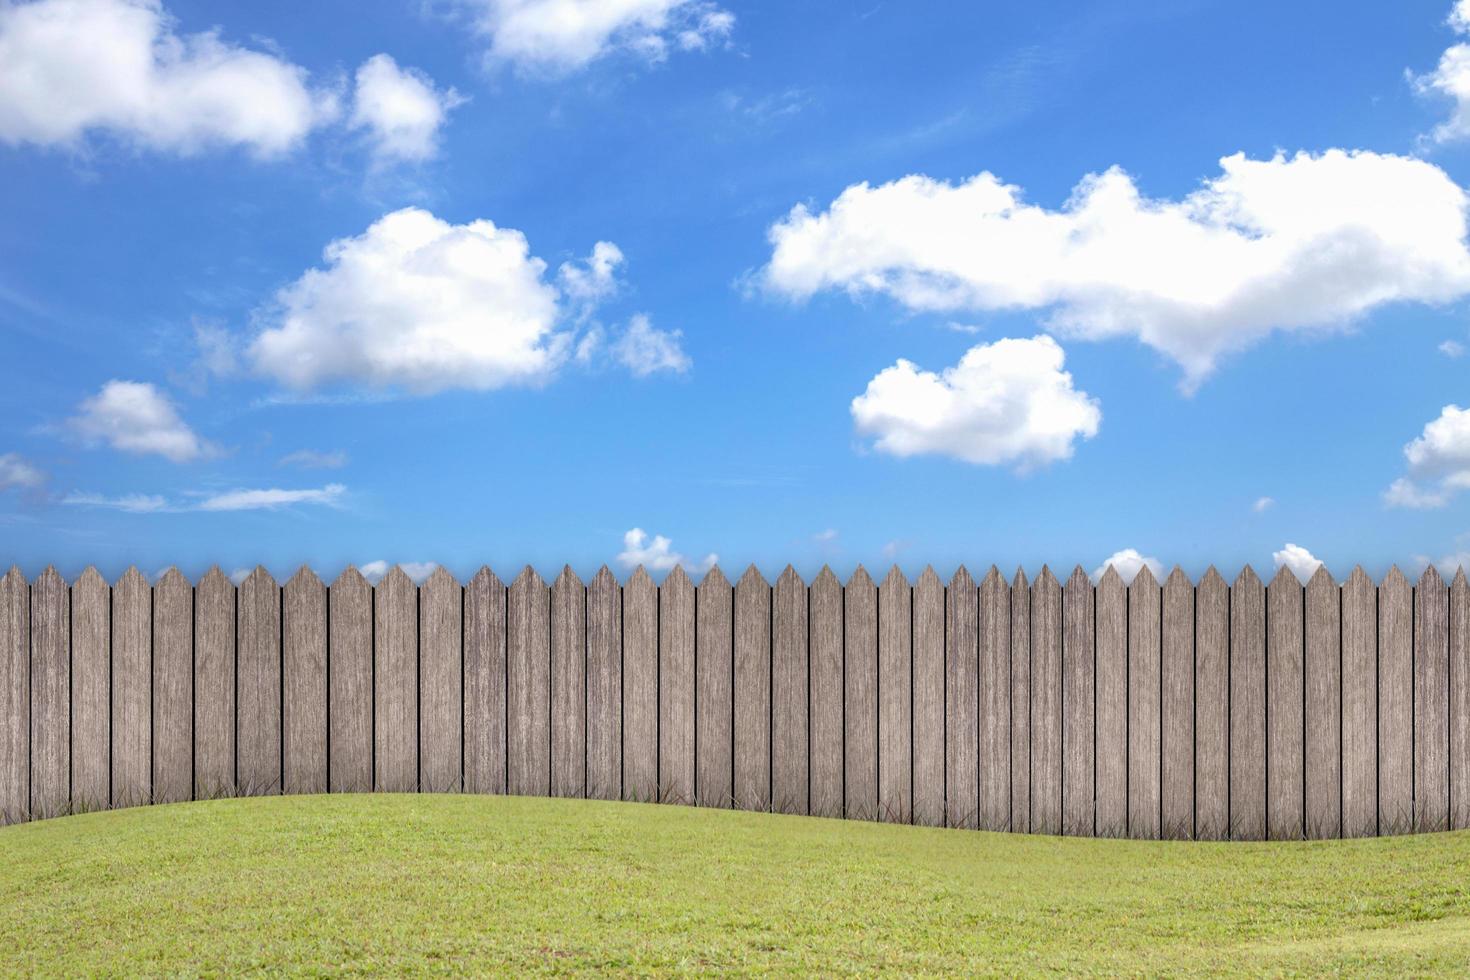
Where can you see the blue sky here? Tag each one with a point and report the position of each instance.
(194, 377)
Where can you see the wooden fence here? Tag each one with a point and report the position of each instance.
(1211, 711)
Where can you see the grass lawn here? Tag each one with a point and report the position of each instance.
(357, 884)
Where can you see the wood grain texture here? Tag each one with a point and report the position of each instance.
(1247, 707)
(173, 689)
(640, 688)
(860, 698)
(1359, 706)
(484, 683)
(714, 773)
(825, 612)
(528, 686)
(1285, 700)
(350, 683)
(15, 691)
(928, 699)
(1177, 707)
(132, 690)
(50, 693)
(304, 683)
(1431, 704)
(568, 685)
(676, 622)
(895, 698)
(1323, 713)
(961, 702)
(1046, 704)
(605, 687)
(752, 692)
(789, 694)
(1459, 659)
(395, 684)
(214, 685)
(91, 691)
(1145, 708)
(257, 686)
(1078, 666)
(441, 684)
(1112, 705)
(995, 702)
(1020, 703)
(1212, 707)
(1395, 704)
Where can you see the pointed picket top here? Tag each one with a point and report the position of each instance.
(962, 579)
(1395, 578)
(1046, 579)
(304, 578)
(678, 579)
(1079, 579)
(1143, 580)
(567, 578)
(259, 578)
(604, 579)
(714, 578)
(349, 578)
(1459, 579)
(1247, 579)
(1285, 578)
(860, 579)
(131, 578)
(50, 577)
(639, 579)
(172, 579)
(894, 579)
(1431, 579)
(929, 577)
(1020, 582)
(1111, 584)
(752, 579)
(993, 579)
(486, 578)
(441, 579)
(1177, 579)
(1321, 579)
(826, 578)
(396, 578)
(91, 578)
(1212, 578)
(790, 579)
(528, 578)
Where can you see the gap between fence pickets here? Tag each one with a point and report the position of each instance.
(1333, 694)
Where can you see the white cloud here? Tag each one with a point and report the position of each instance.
(1447, 565)
(559, 36)
(136, 417)
(658, 555)
(1263, 504)
(239, 575)
(826, 536)
(1301, 562)
(1451, 79)
(417, 571)
(1005, 403)
(594, 278)
(1289, 243)
(422, 304)
(400, 109)
(133, 503)
(70, 68)
(1452, 348)
(271, 499)
(311, 459)
(644, 350)
(17, 473)
(1129, 563)
(1439, 463)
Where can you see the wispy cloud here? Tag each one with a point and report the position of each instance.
(311, 459)
(231, 500)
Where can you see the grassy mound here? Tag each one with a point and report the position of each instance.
(452, 883)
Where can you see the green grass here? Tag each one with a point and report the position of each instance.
(356, 884)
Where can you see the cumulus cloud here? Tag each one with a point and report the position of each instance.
(135, 417)
(644, 350)
(1301, 562)
(560, 36)
(417, 571)
(400, 110)
(1451, 79)
(1439, 463)
(594, 278)
(18, 473)
(1284, 244)
(71, 68)
(658, 555)
(312, 459)
(1129, 562)
(1008, 403)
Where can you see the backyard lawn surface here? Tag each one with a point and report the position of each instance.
(403, 884)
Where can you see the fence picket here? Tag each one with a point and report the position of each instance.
(714, 774)
(441, 684)
(961, 702)
(395, 684)
(15, 692)
(1212, 707)
(568, 685)
(1431, 704)
(1177, 708)
(214, 680)
(1324, 706)
(1285, 694)
(1395, 704)
(173, 689)
(132, 690)
(895, 698)
(1247, 707)
(676, 688)
(928, 699)
(1112, 705)
(1145, 712)
(789, 694)
(825, 614)
(304, 685)
(91, 693)
(50, 696)
(350, 683)
(995, 702)
(528, 686)
(1359, 706)
(1020, 703)
(604, 687)
(752, 711)
(1078, 681)
(484, 683)
(640, 688)
(1046, 704)
(860, 697)
(1459, 660)
(257, 686)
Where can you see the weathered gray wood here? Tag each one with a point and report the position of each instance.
(1078, 666)
(304, 683)
(1046, 704)
(640, 688)
(50, 709)
(1247, 707)
(258, 686)
(484, 684)
(528, 686)
(928, 698)
(132, 684)
(676, 601)
(350, 683)
(826, 695)
(961, 702)
(1177, 708)
(1359, 706)
(568, 685)
(1324, 706)
(895, 699)
(714, 772)
(1020, 703)
(789, 694)
(15, 692)
(1145, 710)
(1285, 700)
(752, 692)
(173, 689)
(214, 684)
(395, 684)
(604, 687)
(1395, 704)
(1212, 707)
(1111, 741)
(995, 702)
(860, 699)
(1431, 704)
(441, 684)
(1459, 647)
